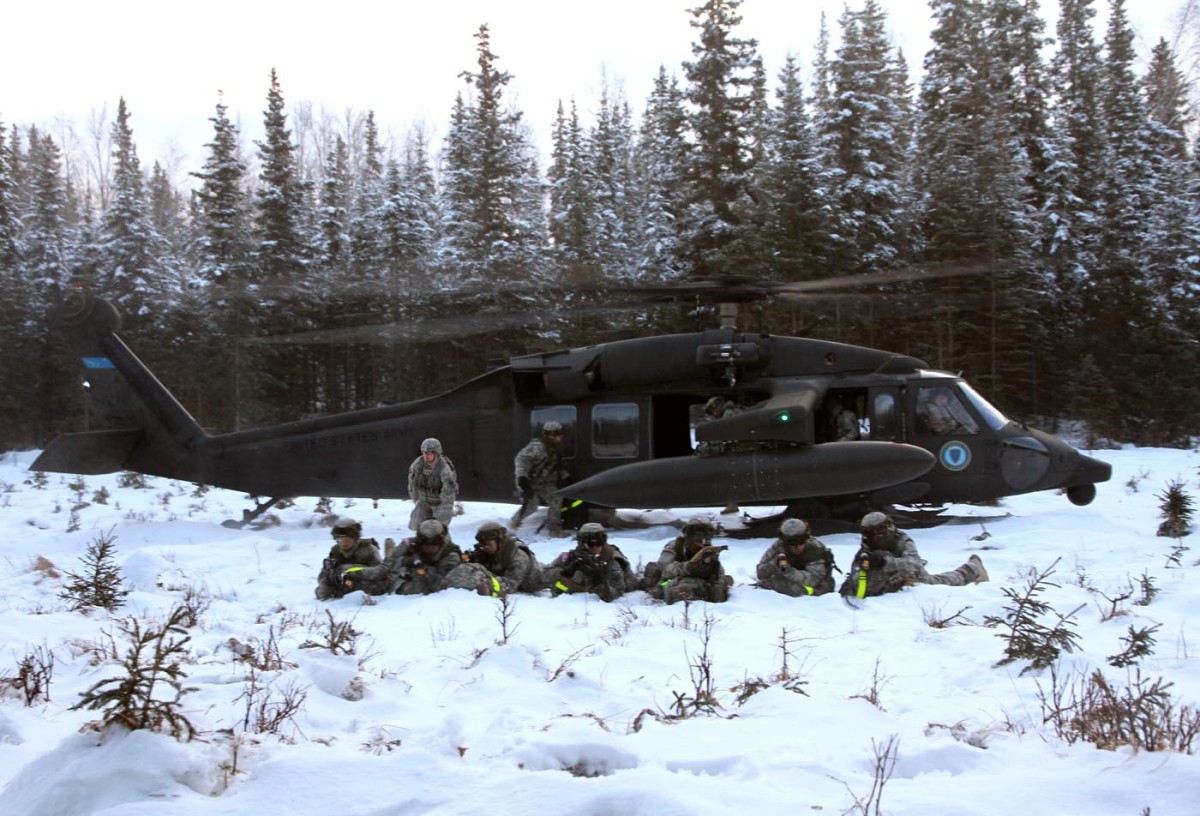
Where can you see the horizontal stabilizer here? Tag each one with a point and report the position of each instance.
(89, 453)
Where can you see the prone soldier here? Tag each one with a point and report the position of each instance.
(353, 564)
(797, 563)
(594, 566)
(888, 561)
(498, 565)
(419, 565)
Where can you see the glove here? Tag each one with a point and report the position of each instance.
(782, 562)
(489, 588)
(703, 554)
(877, 560)
(525, 486)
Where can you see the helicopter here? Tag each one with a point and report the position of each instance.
(631, 410)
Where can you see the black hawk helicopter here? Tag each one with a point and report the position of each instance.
(630, 409)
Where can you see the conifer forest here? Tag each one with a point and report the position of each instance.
(326, 268)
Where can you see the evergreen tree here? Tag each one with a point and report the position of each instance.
(574, 216)
(495, 231)
(367, 255)
(976, 209)
(864, 135)
(281, 254)
(611, 147)
(220, 318)
(661, 165)
(724, 88)
(793, 183)
(335, 190)
(126, 242)
(1075, 156)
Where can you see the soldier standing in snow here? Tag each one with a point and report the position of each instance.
(797, 563)
(538, 468)
(888, 561)
(432, 485)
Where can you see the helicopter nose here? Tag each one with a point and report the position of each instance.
(1081, 486)
(1038, 461)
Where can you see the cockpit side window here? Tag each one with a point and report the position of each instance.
(940, 411)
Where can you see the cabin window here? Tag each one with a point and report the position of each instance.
(883, 412)
(940, 411)
(615, 430)
(562, 414)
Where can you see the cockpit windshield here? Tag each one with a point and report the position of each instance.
(994, 419)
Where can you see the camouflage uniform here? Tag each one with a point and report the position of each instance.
(513, 567)
(689, 568)
(602, 570)
(538, 468)
(432, 488)
(420, 570)
(796, 572)
(357, 568)
(715, 408)
(843, 425)
(891, 562)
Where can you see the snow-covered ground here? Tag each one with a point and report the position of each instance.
(569, 706)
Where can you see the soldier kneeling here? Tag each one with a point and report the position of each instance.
(689, 567)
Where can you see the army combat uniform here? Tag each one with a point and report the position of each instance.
(513, 567)
(432, 488)
(419, 565)
(888, 561)
(689, 568)
(538, 469)
(359, 568)
(797, 574)
(594, 566)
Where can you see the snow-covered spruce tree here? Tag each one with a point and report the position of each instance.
(865, 134)
(492, 196)
(724, 88)
(661, 167)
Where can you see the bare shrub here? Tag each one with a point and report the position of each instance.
(1140, 714)
(32, 680)
(338, 637)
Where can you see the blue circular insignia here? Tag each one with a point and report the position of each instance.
(955, 455)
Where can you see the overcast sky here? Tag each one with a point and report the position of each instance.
(74, 59)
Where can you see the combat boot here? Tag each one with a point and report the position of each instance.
(976, 565)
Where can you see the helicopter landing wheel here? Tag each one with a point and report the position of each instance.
(1079, 495)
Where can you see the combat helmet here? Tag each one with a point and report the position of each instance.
(430, 531)
(552, 426)
(793, 530)
(592, 533)
(699, 527)
(488, 531)
(715, 406)
(877, 527)
(343, 527)
(431, 444)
